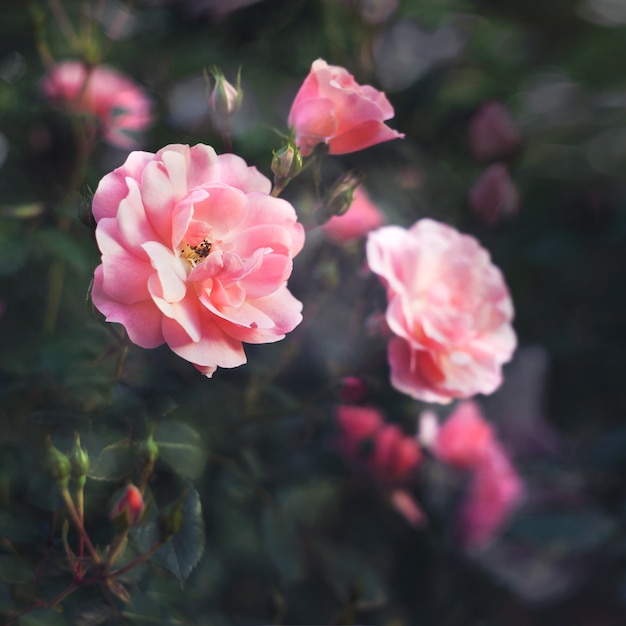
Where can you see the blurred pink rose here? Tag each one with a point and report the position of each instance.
(494, 195)
(465, 438)
(120, 106)
(331, 107)
(494, 493)
(493, 132)
(195, 254)
(448, 307)
(362, 216)
(365, 439)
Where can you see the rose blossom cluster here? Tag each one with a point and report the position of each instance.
(468, 442)
(366, 440)
(121, 107)
(449, 310)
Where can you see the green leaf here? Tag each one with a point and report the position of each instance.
(115, 462)
(61, 245)
(183, 552)
(13, 250)
(281, 541)
(181, 447)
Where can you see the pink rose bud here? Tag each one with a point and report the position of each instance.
(405, 504)
(128, 508)
(287, 162)
(382, 449)
(493, 132)
(339, 198)
(494, 195)
(495, 491)
(394, 455)
(332, 108)
(353, 390)
(449, 310)
(360, 218)
(465, 438)
(225, 100)
(356, 425)
(121, 107)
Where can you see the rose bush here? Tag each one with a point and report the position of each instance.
(195, 254)
(448, 307)
(331, 107)
(121, 107)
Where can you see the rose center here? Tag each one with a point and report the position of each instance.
(196, 254)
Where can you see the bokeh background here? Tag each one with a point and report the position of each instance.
(284, 531)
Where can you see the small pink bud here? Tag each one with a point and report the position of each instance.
(128, 509)
(353, 390)
(225, 99)
(494, 195)
(493, 133)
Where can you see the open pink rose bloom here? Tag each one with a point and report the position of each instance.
(121, 106)
(448, 307)
(331, 107)
(195, 254)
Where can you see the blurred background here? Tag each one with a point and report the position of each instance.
(515, 121)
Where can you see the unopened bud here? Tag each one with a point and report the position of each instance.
(148, 451)
(287, 162)
(58, 465)
(79, 461)
(170, 519)
(340, 197)
(225, 100)
(128, 509)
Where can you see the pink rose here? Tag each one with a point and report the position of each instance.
(382, 449)
(493, 132)
(494, 493)
(195, 254)
(493, 195)
(121, 107)
(448, 307)
(362, 217)
(331, 107)
(465, 438)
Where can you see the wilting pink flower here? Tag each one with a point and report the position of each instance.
(195, 254)
(493, 132)
(494, 195)
(494, 493)
(448, 307)
(465, 438)
(128, 508)
(362, 217)
(121, 107)
(331, 107)
(365, 439)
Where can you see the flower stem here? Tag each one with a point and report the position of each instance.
(76, 520)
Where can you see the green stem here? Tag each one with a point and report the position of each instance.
(79, 525)
(138, 560)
